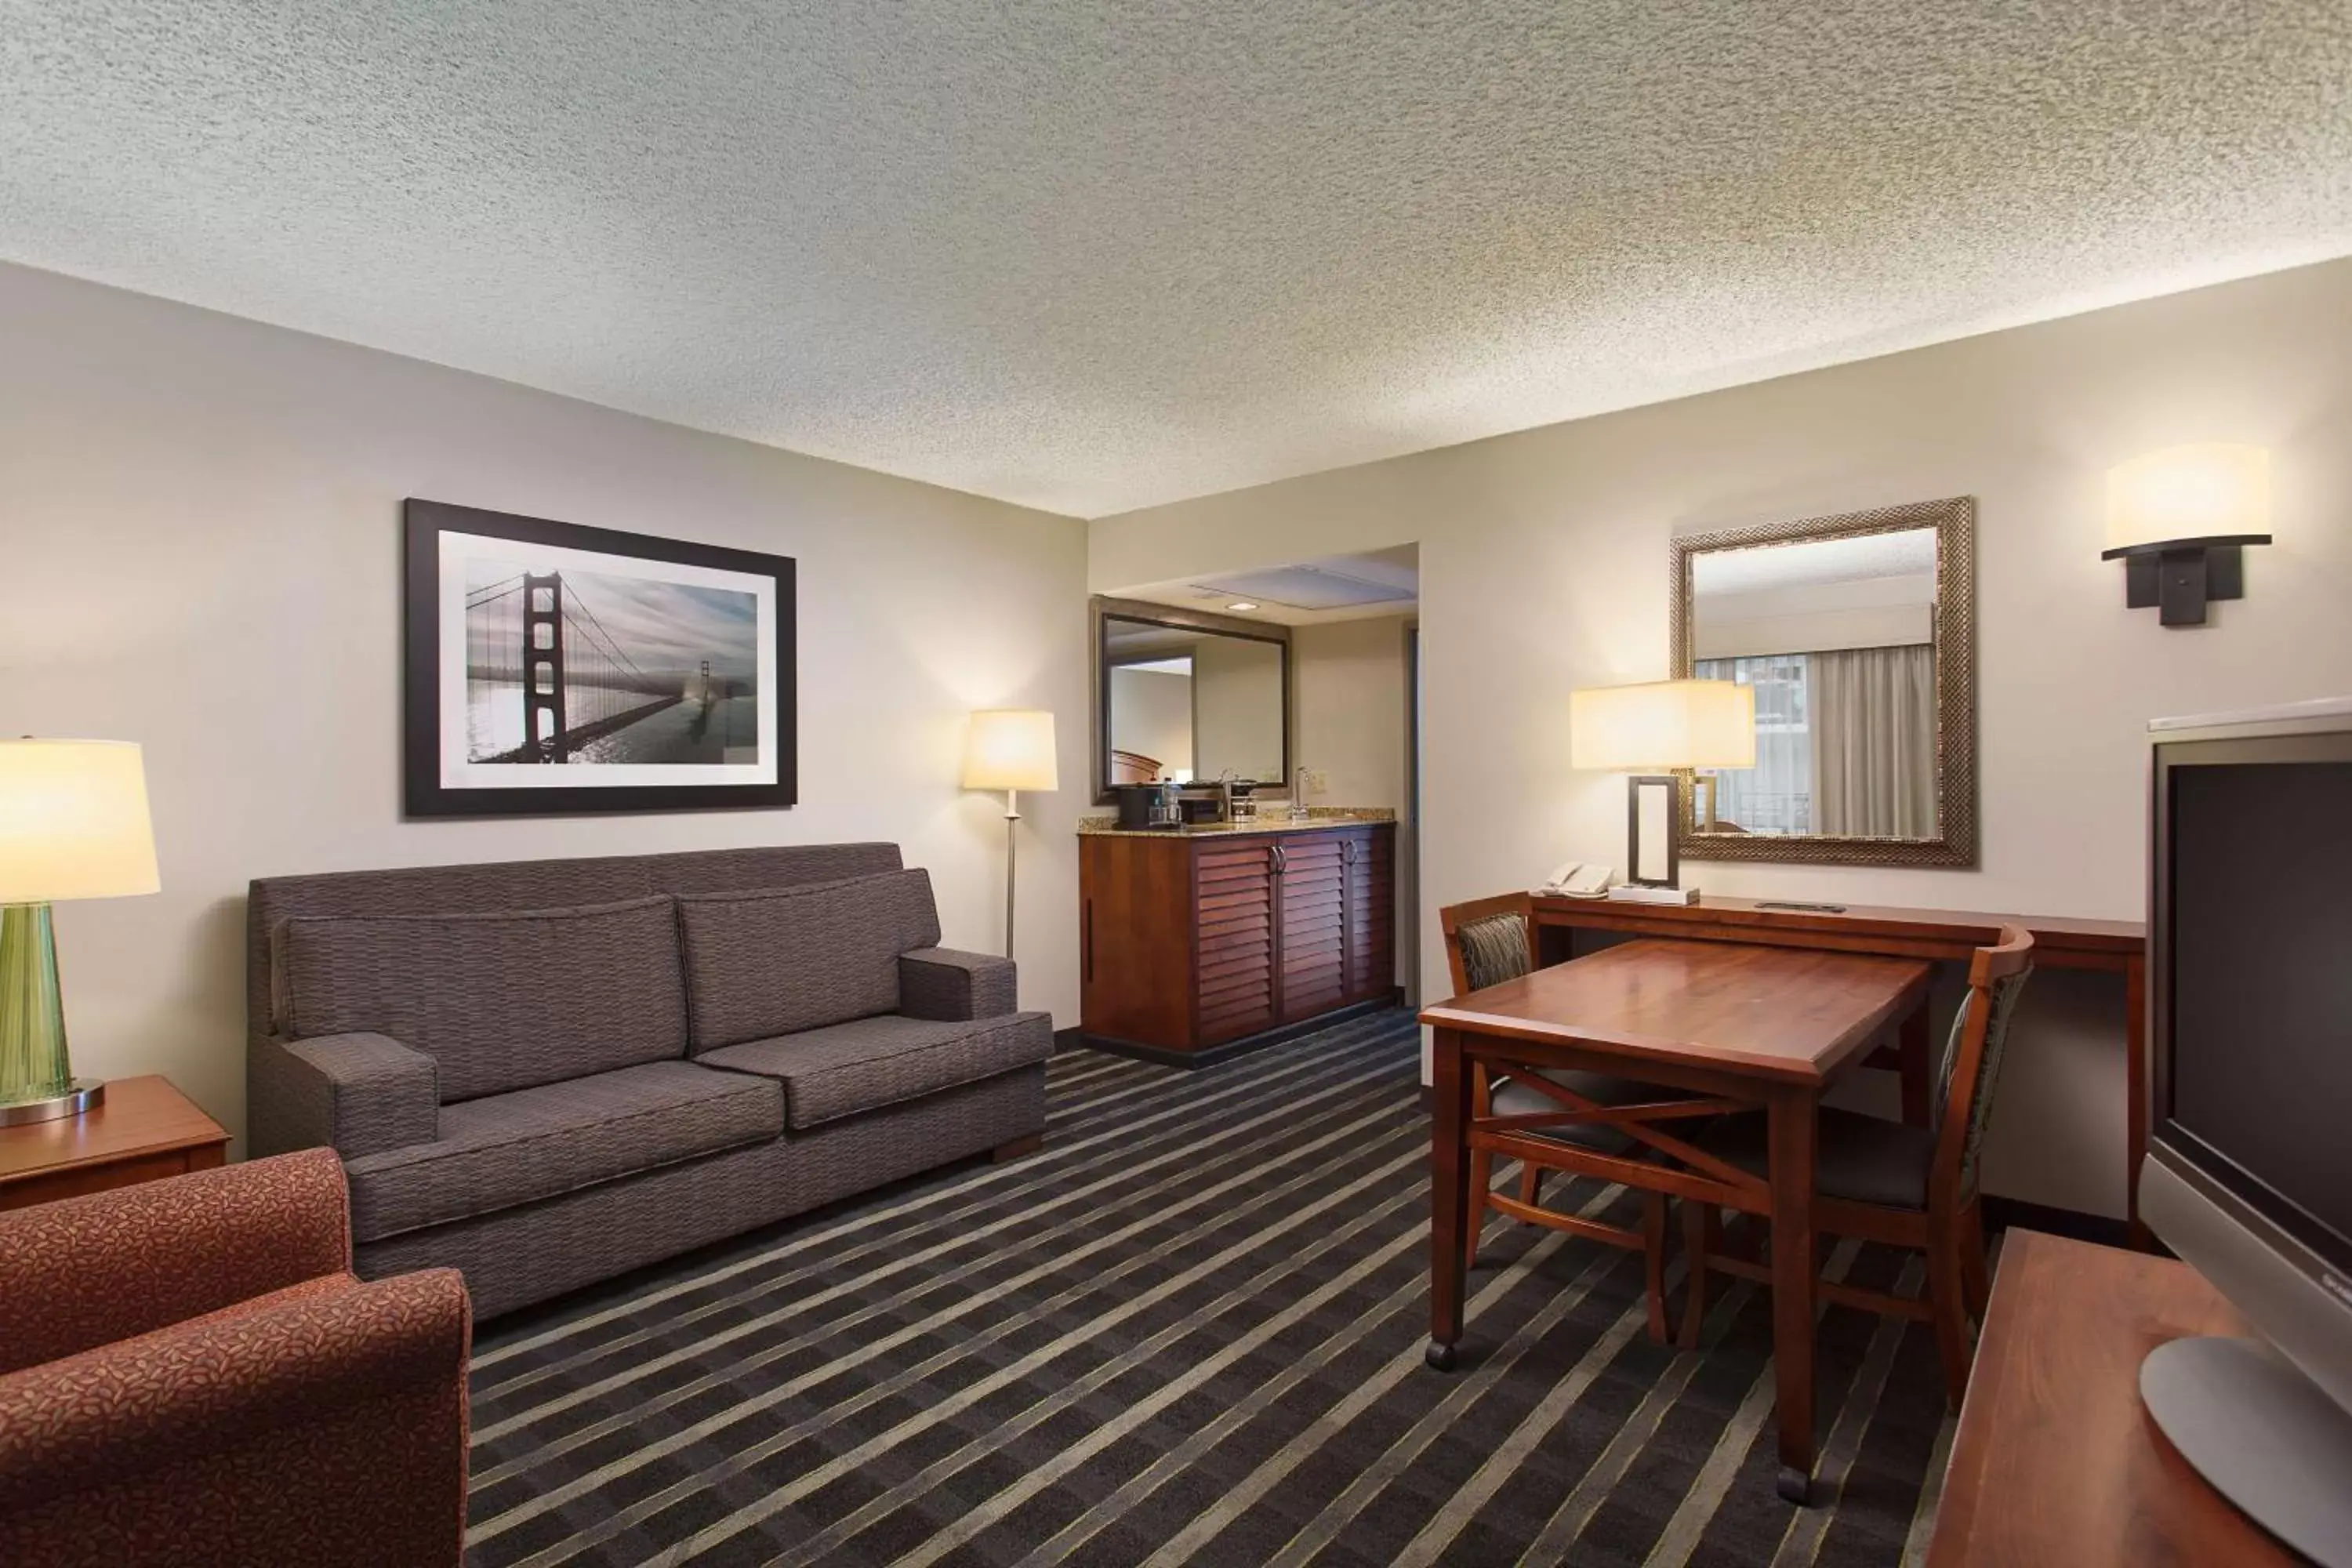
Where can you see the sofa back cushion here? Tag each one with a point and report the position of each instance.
(785, 959)
(501, 1001)
(526, 885)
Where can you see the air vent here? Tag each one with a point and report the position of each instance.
(1306, 588)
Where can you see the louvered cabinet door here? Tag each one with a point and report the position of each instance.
(1372, 915)
(1234, 937)
(1312, 877)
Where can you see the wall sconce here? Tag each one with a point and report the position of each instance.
(2177, 519)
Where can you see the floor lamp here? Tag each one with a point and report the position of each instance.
(73, 825)
(1010, 749)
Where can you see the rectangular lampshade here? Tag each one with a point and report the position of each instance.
(1010, 748)
(73, 821)
(1661, 725)
(2208, 490)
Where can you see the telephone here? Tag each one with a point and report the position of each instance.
(1577, 879)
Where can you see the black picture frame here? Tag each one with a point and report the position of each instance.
(427, 795)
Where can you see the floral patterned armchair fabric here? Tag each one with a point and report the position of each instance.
(191, 1374)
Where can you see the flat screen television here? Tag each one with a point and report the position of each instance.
(2249, 1172)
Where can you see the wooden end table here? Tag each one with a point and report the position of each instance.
(143, 1130)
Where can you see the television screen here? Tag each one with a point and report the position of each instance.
(2257, 963)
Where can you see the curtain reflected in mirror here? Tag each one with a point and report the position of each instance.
(1854, 634)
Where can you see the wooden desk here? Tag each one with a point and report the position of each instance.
(144, 1129)
(2056, 1461)
(2117, 947)
(1737, 1025)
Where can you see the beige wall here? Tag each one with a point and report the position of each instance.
(199, 551)
(1543, 568)
(1352, 679)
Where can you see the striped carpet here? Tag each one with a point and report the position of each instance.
(1190, 1330)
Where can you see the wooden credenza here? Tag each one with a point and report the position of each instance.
(1194, 946)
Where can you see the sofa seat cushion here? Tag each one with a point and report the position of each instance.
(783, 960)
(499, 1002)
(844, 1068)
(508, 1149)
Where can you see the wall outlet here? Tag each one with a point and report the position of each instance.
(1317, 781)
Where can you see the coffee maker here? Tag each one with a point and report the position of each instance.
(1146, 808)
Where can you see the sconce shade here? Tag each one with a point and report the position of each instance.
(1662, 724)
(73, 821)
(1010, 748)
(2208, 492)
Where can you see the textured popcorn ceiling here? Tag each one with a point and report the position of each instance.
(1091, 256)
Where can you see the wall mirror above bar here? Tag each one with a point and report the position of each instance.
(1857, 634)
(1187, 696)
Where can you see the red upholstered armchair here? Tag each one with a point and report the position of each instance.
(190, 1374)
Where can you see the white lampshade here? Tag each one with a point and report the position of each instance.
(1662, 724)
(73, 821)
(1010, 748)
(2207, 490)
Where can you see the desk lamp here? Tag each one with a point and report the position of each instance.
(1649, 731)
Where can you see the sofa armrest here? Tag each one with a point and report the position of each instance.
(87, 1271)
(207, 1388)
(942, 984)
(356, 1094)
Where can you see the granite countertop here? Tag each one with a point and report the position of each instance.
(1276, 820)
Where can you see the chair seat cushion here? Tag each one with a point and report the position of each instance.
(1512, 1098)
(844, 1068)
(1862, 1159)
(507, 1149)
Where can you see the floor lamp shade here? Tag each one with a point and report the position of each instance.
(1651, 731)
(1010, 748)
(73, 825)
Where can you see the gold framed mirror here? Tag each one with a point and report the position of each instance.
(1858, 635)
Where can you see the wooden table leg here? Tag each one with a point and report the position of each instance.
(1449, 1153)
(1912, 1044)
(1793, 1135)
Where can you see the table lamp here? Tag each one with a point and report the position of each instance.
(1649, 731)
(1010, 749)
(73, 825)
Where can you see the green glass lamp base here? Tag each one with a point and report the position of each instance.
(37, 1080)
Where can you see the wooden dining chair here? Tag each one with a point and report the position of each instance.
(1489, 942)
(1887, 1181)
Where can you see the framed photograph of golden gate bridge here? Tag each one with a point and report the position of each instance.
(550, 668)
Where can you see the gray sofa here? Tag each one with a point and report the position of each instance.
(548, 1072)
